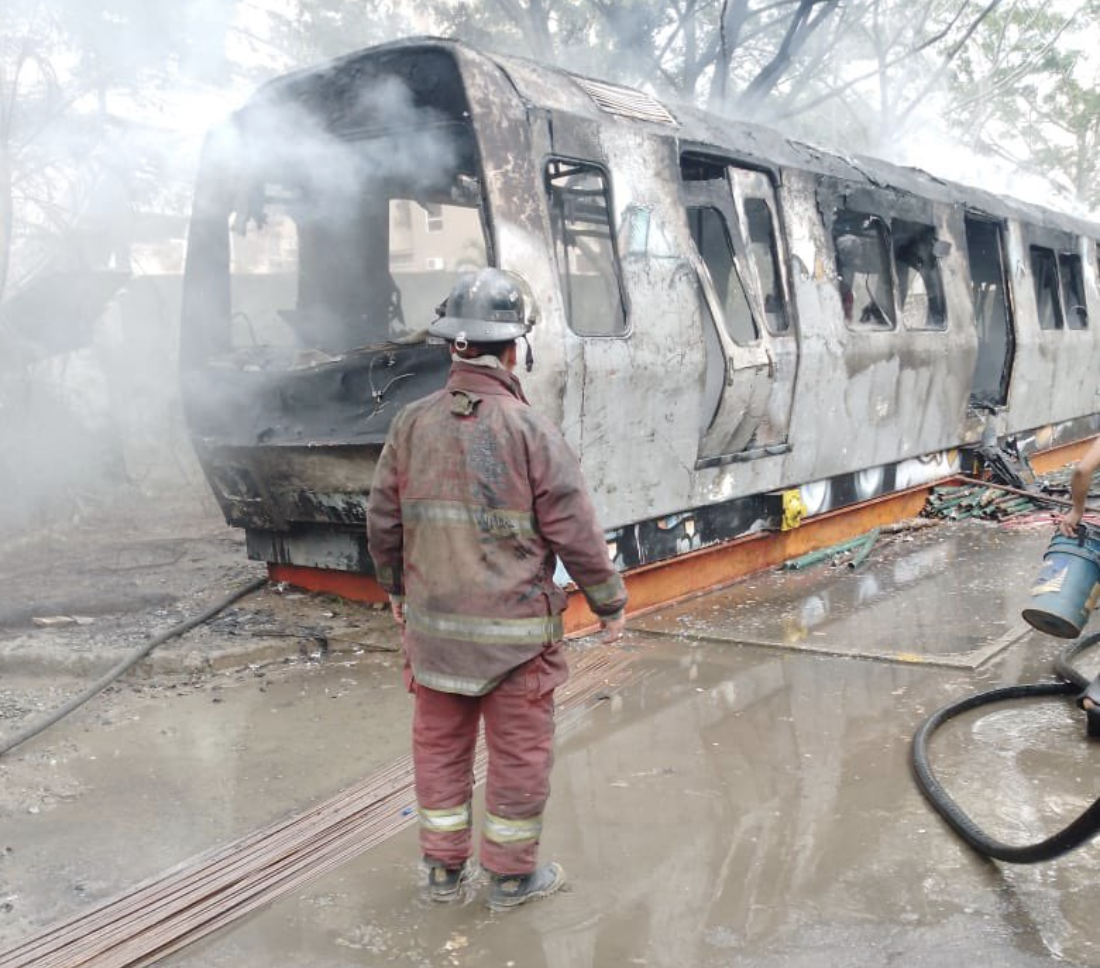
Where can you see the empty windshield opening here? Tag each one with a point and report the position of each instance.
(332, 244)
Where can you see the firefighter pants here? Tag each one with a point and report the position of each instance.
(519, 738)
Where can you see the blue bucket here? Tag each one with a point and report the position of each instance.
(1067, 588)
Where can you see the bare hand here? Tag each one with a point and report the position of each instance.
(613, 629)
(397, 610)
(1067, 523)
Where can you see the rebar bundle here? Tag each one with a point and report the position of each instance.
(956, 502)
(210, 891)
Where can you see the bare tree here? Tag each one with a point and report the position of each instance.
(30, 101)
(66, 66)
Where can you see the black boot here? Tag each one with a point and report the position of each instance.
(445, 883)
(511, 890)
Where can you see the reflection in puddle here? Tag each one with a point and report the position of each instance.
(933, 593)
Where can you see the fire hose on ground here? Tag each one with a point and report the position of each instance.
(128, 663)
(1084, 827)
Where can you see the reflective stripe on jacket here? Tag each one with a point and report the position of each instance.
(473, 497)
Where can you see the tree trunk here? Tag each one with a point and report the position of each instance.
(532, 21)
(802, 24)
(733, 17)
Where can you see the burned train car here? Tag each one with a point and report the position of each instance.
(726, 315)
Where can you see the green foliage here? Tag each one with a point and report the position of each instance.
(1020, 90)
(1064, 132)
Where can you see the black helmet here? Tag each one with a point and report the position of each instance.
(487, 306)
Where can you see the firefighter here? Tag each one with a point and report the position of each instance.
(474, 497)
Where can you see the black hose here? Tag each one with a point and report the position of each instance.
(1080, 830)
(1065, 670)
(126, 664)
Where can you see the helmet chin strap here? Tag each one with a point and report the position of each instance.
(529, 356)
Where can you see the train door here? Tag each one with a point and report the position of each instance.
(752, 356)
(633, 362)
(992, 312)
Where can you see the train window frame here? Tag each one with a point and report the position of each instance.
(993, 307)
(300, 287)
(1046, 277)
(1075, 312)
(764, 254)
(887, 309)
(721, 282)
(772, 312)
(564, 255)
(914, 247)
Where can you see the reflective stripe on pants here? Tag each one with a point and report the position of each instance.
(509, 830)
(445, 820)
(519, 735)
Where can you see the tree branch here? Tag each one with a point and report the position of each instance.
(1011, 78)
(949, 57)
(802, 24)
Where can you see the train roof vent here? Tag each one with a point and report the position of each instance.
(625, 102)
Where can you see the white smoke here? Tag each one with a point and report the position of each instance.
(930, 145)
(83, 425)
(92, 419)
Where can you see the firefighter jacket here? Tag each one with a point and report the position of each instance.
(473, 497)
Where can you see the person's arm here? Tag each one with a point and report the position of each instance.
(385, 532)
(567, 519)
(1079, 487)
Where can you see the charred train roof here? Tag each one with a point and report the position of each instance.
(331, 91)
(432, 68)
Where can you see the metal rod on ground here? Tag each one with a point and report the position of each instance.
(1041, 498)
(954, 500)
(973, 513)
(861, 555)
(910, 524)
(813, 557)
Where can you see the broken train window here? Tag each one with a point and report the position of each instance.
(863, 270)
(921, 302)
(764, 254)
(738, 242)
(1059, 287)
(1044, 271)
(584, 248)
(1073, 290)
(712, 238)
(318, 246)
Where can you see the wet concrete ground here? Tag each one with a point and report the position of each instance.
(744, 799)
